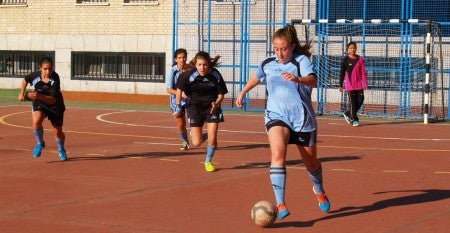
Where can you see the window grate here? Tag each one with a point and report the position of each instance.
(21, 63)
(140, 67)
(13, 2)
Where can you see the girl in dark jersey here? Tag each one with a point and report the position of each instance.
(205, 89)
(47, 102)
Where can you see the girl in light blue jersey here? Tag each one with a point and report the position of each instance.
(289, 117)
(179, 66)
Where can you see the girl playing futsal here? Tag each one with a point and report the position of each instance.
(205, 87)
(289, 115)
(180, 66)
(47, 101)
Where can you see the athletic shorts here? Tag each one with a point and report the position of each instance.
(199, 113)
(298, 138)
(56, 117)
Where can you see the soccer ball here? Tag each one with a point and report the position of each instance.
(264, 213)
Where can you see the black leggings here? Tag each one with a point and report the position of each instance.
(356, 98)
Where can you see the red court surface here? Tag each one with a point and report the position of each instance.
(126, 174)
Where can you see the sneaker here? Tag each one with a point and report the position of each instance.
(209, 166)
(355, 123)
(62, 155)
(283, 212)
(347, 118)
(324, 202)
(38, 149)
(184, 146)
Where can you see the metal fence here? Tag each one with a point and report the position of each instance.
(241, 32)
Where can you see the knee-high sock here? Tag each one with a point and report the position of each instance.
(184, 136)
(316, 178)
(39, 135)
(210, 150)
(278, 179)
(60, 143)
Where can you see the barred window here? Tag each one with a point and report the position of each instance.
(92, 1)
(13, 2)
(21, 63)
(141, 67)
(140, 1)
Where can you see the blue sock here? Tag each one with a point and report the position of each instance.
(39, 135)
(278, 179)
(60, 144)
(210, 150)
(184, 136)
(316, 178)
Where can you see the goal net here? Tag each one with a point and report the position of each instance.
(404, 71)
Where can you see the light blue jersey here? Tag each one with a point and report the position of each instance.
(288, 101)
(171, 81)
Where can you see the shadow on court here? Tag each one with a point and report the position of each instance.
(297, 162)
(428, 195)
(154, 154)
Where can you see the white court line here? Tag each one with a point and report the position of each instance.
(100, 118)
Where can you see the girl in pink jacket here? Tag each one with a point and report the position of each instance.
(353, 72)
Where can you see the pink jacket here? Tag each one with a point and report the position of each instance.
(358, 79)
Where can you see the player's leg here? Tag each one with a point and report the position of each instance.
(278, 138)
(212, 128)
(181, 126)
(354, 107)
(347, 113)
(314, 170)
(38, 131)
(57, 120)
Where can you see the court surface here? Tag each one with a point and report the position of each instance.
(127, 174)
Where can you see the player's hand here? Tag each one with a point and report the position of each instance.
(214, 107)
(239, 100)
(341, 89)
(177, 112)
(289, 77)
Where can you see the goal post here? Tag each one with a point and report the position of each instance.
(403, 63)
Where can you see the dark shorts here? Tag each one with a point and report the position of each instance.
(199, 113)
(55, 116)
(297, 138)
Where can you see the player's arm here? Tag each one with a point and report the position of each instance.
(251, 83)
(23, 87)
(309, 80)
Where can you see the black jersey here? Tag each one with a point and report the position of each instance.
(202, 88)
(51, 88)
(347, 66)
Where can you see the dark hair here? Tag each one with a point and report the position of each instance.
(212, 62)
(351, 43)
(290, 34)
(177, 52)
(45, 60)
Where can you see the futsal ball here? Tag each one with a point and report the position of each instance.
(264, 213)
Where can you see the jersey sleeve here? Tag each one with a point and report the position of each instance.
(221, 85)
(170, 81)
(306, 66)
(55, 89)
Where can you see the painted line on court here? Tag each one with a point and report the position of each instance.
(442, 172)
(394, 171)
(170, 160)
(2, 121)
(343, 169)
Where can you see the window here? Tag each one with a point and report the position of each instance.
(102, 2)
(20, 63)
(13, 2)
(140, 1)
(141, 67)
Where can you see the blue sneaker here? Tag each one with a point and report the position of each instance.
(62, 155)
(283, 212)
(355, 123)
(38, 149)
(324, 202)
